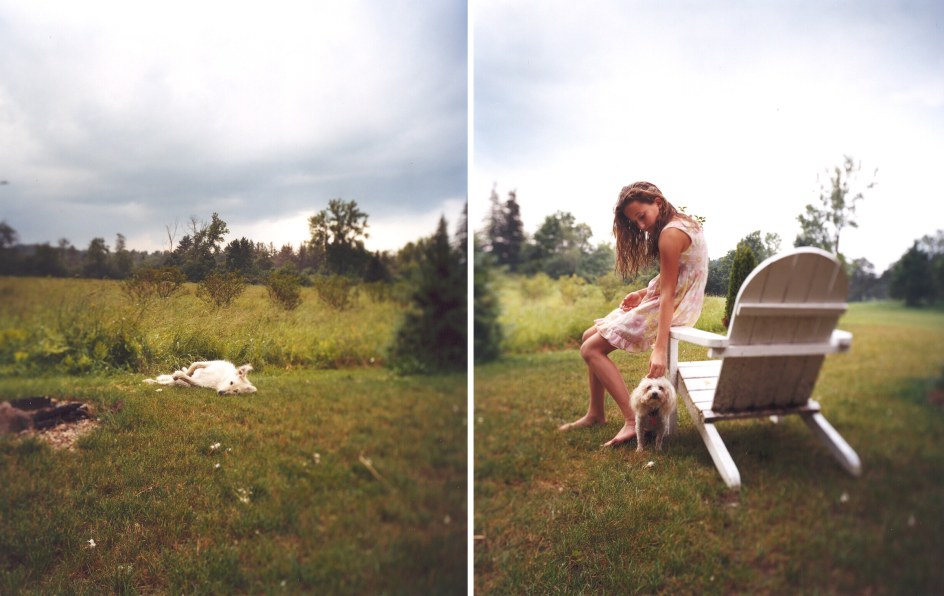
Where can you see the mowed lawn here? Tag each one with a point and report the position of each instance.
(556, 513)
(339, 481)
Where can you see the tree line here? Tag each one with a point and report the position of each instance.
(336, 247)
(561, 246)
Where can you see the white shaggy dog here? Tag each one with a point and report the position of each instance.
(653, 402)
(221, 375)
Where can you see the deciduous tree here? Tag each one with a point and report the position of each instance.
(822, 225)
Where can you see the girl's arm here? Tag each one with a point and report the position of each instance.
(672, 243)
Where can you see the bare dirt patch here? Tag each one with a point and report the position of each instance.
(60, 423)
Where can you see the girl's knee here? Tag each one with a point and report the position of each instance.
(588, 334)
(588, 350)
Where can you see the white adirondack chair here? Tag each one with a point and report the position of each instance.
(782, 326)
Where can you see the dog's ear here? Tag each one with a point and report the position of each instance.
(244, 369)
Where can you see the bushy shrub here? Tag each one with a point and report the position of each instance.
(221, 289)
(612, 286)
(571, 289)
(537, 286)
(285, 288)
(153, 282)
(337, 291)
(378, 291)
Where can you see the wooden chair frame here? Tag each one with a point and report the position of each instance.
(782, 327)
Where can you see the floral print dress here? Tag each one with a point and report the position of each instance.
(635, 330)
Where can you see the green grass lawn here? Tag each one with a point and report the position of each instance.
(555, 513)
(342, 481)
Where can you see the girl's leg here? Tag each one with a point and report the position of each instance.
(595, 410)
(595, 351)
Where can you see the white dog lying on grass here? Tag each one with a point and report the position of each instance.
(221, 375)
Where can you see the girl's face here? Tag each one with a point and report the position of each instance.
(643, 215)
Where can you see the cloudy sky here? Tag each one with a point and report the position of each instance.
(120, 117)
(734, 109)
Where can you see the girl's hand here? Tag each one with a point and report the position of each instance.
(657, 364)
(631, 301)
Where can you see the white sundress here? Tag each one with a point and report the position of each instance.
(635, 330)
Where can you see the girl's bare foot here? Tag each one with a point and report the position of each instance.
(623, 436)
(584, 422)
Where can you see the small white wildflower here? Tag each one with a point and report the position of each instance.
(912, 521)
(317, 458)
(91, 543)
(282, 583)
(447, 520)
(243, 494)
(216, 467)
(214, 446)
(844, 498)
(158, 390)
(650, 464)
(228, 449)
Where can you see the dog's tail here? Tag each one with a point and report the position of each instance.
(161, 380)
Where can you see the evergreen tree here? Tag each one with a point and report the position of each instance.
(239, 255)
(433, 335)
(744, 262)
(508, 244)
(719, 270)
(934, 246)
(912, 277)
(487, 332)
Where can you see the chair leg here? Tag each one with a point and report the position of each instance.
(716, 447)
(834, 442)
(720, 454)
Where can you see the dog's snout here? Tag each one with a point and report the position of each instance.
(654, 395)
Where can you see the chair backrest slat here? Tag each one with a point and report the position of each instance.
(794, 298)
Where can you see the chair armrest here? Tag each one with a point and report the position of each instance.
(699, 337)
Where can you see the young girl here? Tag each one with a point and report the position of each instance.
(647, 227)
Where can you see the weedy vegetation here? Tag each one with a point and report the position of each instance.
(79, 326)
(556, 513)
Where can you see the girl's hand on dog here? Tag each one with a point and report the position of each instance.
(657, 364)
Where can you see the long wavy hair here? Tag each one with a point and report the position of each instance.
(634, 248)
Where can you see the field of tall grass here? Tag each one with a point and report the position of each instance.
(84, 325)
(540, 314)
(335, 477)
(556, 513)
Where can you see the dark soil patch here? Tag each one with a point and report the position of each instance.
(57, 422)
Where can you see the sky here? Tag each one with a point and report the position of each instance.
(133, 118)
(736, 110)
